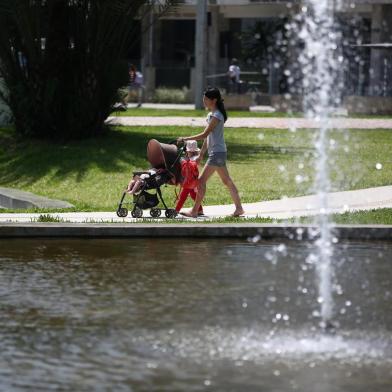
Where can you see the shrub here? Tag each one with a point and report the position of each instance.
(171, 95)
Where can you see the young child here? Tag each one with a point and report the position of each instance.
(190, 173)
(137, 182)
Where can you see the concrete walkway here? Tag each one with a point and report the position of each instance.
(191, 106)
(255, 122)
(339, 202)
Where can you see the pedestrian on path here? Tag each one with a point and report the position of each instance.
(190, 174)
(136, 82)
(233, 75)
(214, 143)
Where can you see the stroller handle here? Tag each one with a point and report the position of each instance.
(182, 148)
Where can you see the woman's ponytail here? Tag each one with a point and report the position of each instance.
(221, 106)
(214, 93)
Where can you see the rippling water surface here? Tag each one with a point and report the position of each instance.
(181, 315)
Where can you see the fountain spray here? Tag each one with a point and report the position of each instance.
(321, 63)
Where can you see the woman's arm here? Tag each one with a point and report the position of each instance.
(201, 136)
(202, 151)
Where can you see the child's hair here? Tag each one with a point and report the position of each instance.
(214, 93)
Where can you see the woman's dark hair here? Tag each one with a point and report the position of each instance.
(214, 93)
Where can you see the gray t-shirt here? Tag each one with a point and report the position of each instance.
(215, 140)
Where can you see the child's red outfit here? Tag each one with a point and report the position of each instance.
(190, 174)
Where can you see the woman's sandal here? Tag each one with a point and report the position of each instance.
(188, 214)
(237, 215)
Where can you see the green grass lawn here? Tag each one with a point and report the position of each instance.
(265, 164)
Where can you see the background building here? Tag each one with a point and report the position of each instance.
(243, 28)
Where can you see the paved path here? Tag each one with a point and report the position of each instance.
(253, 122)
(339, 202)
(191, 106)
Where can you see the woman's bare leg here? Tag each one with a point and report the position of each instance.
(226, 179)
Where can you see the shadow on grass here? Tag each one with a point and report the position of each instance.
(23, 161)
(27, 160)
(251, 152)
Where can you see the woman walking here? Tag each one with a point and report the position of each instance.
(215, 144)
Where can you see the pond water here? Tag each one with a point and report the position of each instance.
(191, 315)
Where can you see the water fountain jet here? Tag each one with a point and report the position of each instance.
(321, 67)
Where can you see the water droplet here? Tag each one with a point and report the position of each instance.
(299, 179)
(276, 373)
(207, 383)
(151, 365)
(271, 298)
(281, 248)
(255, 239)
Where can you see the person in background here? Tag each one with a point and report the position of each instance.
(136, 82)
(233, 75)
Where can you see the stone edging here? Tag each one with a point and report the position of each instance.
(253, 231)
(15, 198)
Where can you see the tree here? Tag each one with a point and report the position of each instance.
(265, 45)
(62, 61)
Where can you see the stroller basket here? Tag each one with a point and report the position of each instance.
(146, 200)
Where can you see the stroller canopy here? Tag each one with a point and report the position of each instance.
(164, 156)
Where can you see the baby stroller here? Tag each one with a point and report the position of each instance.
(165, 161)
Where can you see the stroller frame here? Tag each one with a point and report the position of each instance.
(137, 209)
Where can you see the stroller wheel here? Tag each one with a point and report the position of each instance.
(137, 212)
(170, 213)
(122, 212)
(155, 212)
